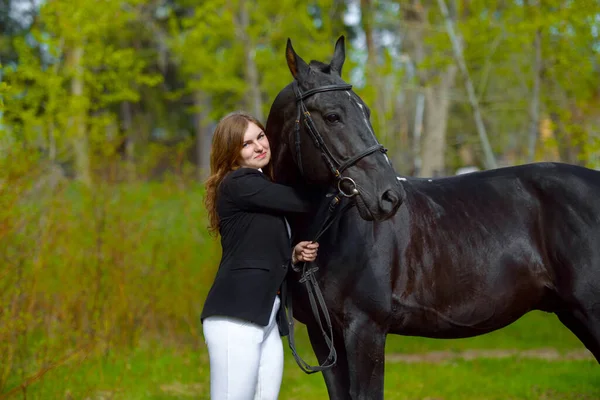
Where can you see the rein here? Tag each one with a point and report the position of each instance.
(308, 270)
(318, 306)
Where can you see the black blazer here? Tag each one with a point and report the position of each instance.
(256, 247)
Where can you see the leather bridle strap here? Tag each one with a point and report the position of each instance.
(308, 270)
(303, 115)
(326, 88)
(318, 306)
(352, 160)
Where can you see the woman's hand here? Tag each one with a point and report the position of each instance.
(305, 251)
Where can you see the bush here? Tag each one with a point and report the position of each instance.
(97, 268)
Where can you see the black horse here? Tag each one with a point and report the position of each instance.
(442, 258)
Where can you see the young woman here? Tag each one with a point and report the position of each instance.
(243, 308)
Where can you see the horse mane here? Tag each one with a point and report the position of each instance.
(320, 66)
(285, 97)
(279, 128)
(276, 129)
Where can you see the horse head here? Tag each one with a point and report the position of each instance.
(321, 135)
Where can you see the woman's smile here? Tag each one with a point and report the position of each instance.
(255, 152)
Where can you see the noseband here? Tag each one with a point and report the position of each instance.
(336, 167)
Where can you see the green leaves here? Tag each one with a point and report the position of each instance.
(79, 61)
(499, 44)
(211, 46)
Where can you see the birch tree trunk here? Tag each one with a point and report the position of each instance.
(417, 133)
(429, 149)
(437, 107)
(490, 161)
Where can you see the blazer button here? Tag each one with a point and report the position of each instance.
(284, 266)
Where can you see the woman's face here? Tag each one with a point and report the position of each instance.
(255, 151)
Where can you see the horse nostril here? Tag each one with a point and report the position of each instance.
(389, 201)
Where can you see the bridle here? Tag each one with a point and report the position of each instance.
(336, 167)
(330, 207)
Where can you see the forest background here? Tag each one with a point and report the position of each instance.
(107, 108)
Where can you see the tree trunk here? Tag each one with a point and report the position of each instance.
(534, 111)
(77, 121)
(203, 135)
(254, 98)
(413, 35)
(373, 78)
(417, 133)
(366, 13)
(336, 15)
(569, 147)
(129, 151)
(52, 146)
(1, 100)
(490, 161)
(429, 148)
(437, 106)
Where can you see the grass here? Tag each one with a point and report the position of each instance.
(535, 330)
(155, 371)
(494, 379)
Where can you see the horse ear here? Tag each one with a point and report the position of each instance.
(339, 55)
(298, 67)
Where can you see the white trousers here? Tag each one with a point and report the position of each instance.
(246, 360)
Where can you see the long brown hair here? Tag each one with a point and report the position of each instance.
(227, 142)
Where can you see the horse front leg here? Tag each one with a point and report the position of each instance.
(364, 342)
(336, 378)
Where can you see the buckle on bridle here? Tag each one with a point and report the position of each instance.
(354, 190)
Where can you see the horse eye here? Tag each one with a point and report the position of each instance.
(332, 118)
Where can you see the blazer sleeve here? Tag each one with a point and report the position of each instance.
(253, 192)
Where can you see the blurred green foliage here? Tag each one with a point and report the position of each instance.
(106, 113)
(101, 267)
